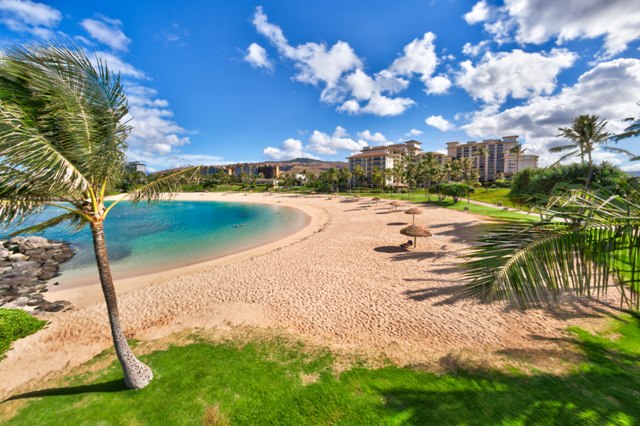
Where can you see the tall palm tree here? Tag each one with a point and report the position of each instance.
(518, 150)
(583, 243)
(586, 133)
(63, 130)
(481, 154)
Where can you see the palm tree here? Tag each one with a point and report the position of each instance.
(587, 132)
(518, 150)
(428, 170)
(582, 243)
(482, 152)
(63, 128)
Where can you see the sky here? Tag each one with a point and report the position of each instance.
(233, 81)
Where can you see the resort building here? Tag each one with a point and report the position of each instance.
(382, 157)
(498, 159)
(268, 171)
(135, 166)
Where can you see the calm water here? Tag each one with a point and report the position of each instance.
(143, 239)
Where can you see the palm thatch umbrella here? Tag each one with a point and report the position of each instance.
(414, 211)
(415, 231)
(395, 205)
(375, 199)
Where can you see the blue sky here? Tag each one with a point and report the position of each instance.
(228, 81)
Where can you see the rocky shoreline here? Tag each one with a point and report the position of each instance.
(26, 265)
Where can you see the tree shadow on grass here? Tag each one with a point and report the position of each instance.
(103, 387)
(601, 391)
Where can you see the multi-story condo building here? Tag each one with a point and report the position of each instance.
(135, 166)
(269, 171)
(497, 161)
(382, 157)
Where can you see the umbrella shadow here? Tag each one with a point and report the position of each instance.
(397, 223)
(390, 249)
(104, 387)
(460, 231)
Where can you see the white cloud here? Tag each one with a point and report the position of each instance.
(538, 21)
(609, 90)
(107, 31)
(475, 49)
(439, 123)
(413, 132)
(339, 72)
(117, 65)
(29, 17)
(289, 149)
(478, 13)
(257, 57)
(155, 133)
(438, 85)
(517, 74)
(375, 138)
(326, 144)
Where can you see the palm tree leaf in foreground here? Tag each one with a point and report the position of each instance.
(583, 245)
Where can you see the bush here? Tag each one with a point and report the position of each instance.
(535, 186)
(16, 324)
(454, 190)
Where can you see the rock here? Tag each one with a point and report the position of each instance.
(47, 275)
(32, 243)
(19, 291)
(58, 306)
(26, 265)
(4, 269)
(17, 257)
(4, 253)
(21, 301)
(17, 240)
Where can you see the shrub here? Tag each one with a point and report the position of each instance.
(16, 324)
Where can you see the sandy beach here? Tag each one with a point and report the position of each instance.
(341, 281)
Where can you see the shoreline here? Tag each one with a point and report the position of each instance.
(342, 282)
(82, 292)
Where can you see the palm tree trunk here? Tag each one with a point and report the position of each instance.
(136, 374)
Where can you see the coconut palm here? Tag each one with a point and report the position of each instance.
(481, 154)
(63, 130)
(583, 244)
(518, 150)
(428, 171)
(586, 133)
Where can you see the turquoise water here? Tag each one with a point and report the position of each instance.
(143, 239)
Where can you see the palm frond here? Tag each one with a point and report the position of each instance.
(584, 243)
(165, 186)
(72, 218)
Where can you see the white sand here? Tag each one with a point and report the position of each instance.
(341, 281)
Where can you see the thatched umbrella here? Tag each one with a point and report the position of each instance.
(375, 199)
(395, 204)
(415, 231)
(414, 211)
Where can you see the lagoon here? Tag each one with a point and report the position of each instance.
(143, 239)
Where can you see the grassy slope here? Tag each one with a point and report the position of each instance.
(262, 384)
(16, 324)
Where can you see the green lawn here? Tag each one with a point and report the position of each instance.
(420, 197)
(16, 324)
(287, 384)
(495, 195)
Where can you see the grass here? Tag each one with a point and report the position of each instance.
(16, 324)
(495, 195)
(282, 383)
(420, 197)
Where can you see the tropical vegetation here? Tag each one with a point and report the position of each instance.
(16, 324)
(63, 130)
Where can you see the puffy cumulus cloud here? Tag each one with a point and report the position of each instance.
(538, 21)
(478, 13)
(537, 121)
(375, 138)
(339, 71)
(413, 133)
(439, 122)
(438, 85)
(517, 74)
(289, 149)
(475, 49)
(257, 57)
(107, 31)
(155, 133)
(29, 17)
(324, 143)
